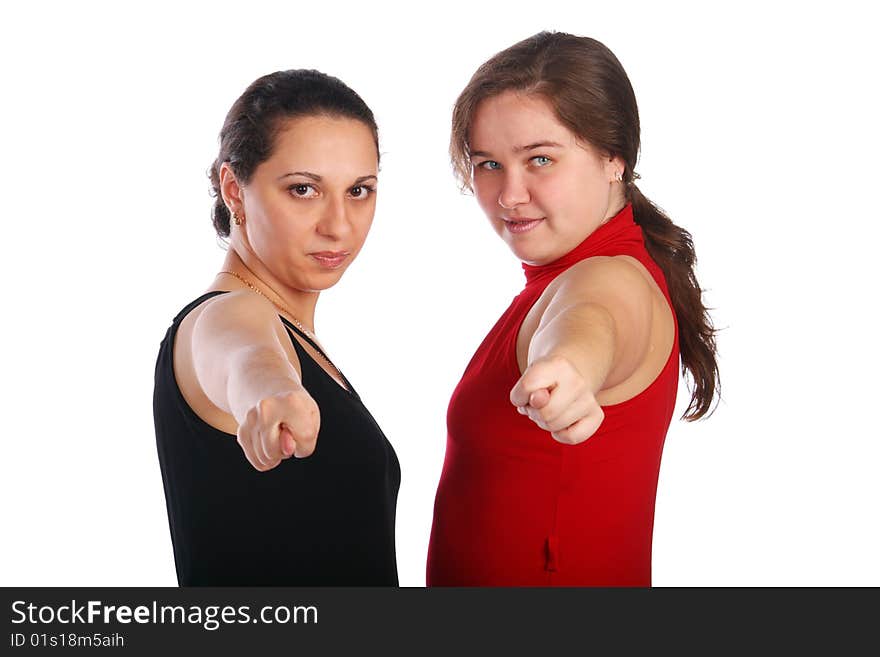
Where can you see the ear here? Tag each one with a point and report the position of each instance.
(613, 166)
(230, 189)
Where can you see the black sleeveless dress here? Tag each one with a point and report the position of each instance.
(325, 520)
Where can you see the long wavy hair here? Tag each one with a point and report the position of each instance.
(592, 96)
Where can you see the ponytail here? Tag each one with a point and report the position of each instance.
(672, 249)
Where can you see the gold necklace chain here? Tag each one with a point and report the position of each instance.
(274, 303)
(283, 309)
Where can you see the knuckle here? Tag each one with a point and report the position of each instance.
(246, 439)
(561, 436)
(295, 397)
(303, 405)
(264, 407)
(252, 416)
(271, 452)
(269, 439)
(292, 399)
(255, 461)
(289, 395)
(556, 426)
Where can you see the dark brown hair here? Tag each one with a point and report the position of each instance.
(250, 128)
(592, 96)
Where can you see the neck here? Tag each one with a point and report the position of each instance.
(301, 304)
(616, 202)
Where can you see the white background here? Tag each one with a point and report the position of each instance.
(758, 135)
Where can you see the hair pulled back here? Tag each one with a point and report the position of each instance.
(248, 134)
(592, 96)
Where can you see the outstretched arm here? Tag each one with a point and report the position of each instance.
(242, 367)
(593, 335)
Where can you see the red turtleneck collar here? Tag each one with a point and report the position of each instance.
(621, 227)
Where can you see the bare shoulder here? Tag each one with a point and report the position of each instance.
(614, 283)
(228, 321)
(237, 307)
(643, 320)
(603, 280)
(215, 327)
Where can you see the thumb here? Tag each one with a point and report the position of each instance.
(288, 444)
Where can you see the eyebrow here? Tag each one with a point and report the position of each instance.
(519, 149)
(317, 178)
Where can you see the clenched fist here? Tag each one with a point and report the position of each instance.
(278, 427)
(556, 397)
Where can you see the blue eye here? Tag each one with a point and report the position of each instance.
(489, 165)
(541, 160)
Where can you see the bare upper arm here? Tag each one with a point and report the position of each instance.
(218, 333)
(618, 287)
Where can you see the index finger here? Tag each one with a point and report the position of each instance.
(535, 378)
(539, 398)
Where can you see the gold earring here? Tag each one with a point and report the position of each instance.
(618, 177)
(236, 219)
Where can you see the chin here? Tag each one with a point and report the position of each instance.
(318, 282)
(326, 281)
(533, 254)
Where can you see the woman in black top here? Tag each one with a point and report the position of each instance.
(242, 383)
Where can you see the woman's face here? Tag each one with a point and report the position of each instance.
(543, 190)
(308, 208)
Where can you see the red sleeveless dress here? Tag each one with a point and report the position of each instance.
(514, 507)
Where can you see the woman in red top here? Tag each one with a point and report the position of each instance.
(546, 134)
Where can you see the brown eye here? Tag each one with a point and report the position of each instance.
(302, 190)
(361, 191)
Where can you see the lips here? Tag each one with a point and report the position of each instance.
(330, 259)
(518, 225)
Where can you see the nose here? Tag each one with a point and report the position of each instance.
(513, 191)
(334, 221)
